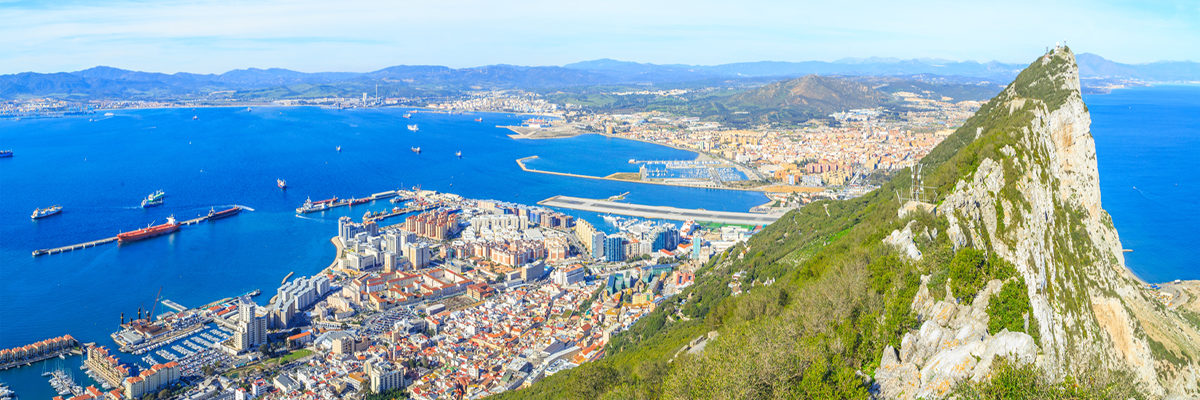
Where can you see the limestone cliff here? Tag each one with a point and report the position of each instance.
(1032, 197)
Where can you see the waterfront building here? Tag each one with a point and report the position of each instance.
(36, 351)
(251, 329)
(106, 366)
(294, 297)
(347, 228)
(151, 380)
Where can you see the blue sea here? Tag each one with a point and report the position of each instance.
(99, 168)
(1148, 151)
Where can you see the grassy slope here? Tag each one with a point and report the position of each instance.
(840, 297)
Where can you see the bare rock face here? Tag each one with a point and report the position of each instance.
(1036, 204)
(952, 345)
(903, 241)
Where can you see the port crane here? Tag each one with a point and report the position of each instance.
(157, 297)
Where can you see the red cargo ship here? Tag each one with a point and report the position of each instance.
(149, 231)
(213, 214)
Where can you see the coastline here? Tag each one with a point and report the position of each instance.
(521, 163)
(749, 172)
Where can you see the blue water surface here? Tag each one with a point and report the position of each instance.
(1148, 151)
(99, 170)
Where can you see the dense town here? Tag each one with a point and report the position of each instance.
(461, 299)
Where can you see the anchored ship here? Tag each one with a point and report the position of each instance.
(6, 153)
(281, 183)
(413, 127)
(46, 212)
(213, 214)
(311, 206)
(154, 199)
(149, 231)
(416, 149)
(458, 153)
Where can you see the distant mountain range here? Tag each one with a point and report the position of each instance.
(1091, 66)
(420, 80)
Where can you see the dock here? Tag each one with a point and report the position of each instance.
(659, 212)
(173, 305)
(107, 240)
(402, 211)
(288, 276)
(350, 202)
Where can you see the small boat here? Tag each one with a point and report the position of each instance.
(6, 153)
(478, 119)
(108, 114)
(416, 150)
(213, 214)
(458, 154)
(46, 212)
(407, 115)
(281, 183)
(195, 117)
(413, 127)
(154, 199)
(339, 149)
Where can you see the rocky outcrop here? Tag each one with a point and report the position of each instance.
(902, 240)
(952, 345)
(1036, 203)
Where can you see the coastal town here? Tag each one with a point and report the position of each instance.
(462, 298)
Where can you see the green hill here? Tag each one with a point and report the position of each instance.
(1007, 283)
(792, 101)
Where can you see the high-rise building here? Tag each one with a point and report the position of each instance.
(665, 237)
(584, 231)
(597, 249)
(614, 248)
(347, 228)
(251, 329)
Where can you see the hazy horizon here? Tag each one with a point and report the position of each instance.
(217, 36)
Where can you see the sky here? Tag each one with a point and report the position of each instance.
(213, 36)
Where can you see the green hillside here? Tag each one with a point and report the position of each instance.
(824, 295)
